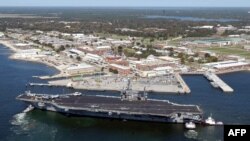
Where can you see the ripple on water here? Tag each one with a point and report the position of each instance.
(191, 134)
(21, 123)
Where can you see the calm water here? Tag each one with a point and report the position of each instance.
(194, 19)
(40, 126)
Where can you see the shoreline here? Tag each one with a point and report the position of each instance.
(60, 73)
(9, 45)
(12, 56)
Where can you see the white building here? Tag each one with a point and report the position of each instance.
(123, 42)
(169, 59)
(229, 27)
(81, 69)
(1, 34)
(247, 47)
(76, 51)
(204, 27)
(236, 58)
(93, 58)
(21, 45)
(78, 35)
(103, 47)
(160, 71)
(29, 53)
(225, 65)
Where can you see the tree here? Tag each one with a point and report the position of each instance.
(113, 71)
(102, 69)
(78, 58)
(213, 59)
(120, 50)
(196, 54)
(191, 59)
(61, 48)
(60, 36)
(180, 55)
(182, 60)
(207, 55)
(50, 45)
(129, 52)
(152, 40)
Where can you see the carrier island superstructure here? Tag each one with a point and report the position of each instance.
(130, 105)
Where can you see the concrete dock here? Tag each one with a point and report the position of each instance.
(164, 84)
(40, 84)
(183, 84)
(217, 82)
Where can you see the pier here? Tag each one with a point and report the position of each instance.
(40, 84)
(183, 84)
(50, 77)
(165, 84)
(217, 82)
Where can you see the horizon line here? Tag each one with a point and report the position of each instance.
(72, 6)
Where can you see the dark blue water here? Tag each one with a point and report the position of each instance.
(40, 125)
(194, 19)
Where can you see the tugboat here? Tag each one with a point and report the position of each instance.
(211, 121)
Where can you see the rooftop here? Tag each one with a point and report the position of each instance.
(80, 66)
(120, 66)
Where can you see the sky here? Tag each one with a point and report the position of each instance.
(129, 3)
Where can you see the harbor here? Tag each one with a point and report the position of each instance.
(37, 123)
(74, 72)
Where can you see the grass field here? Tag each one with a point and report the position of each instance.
(230, 51)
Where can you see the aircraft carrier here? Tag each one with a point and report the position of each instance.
(129, 106)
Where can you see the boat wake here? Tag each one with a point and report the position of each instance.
(24, 127)
(19, 119)
(21, 122)
(191, 134)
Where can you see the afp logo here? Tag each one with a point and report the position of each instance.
(233, 132)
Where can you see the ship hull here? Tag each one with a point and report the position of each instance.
(116, 115)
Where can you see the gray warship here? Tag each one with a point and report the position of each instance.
(131, 105)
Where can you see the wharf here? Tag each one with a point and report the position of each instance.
(217, 82)
(50, 77)
(40, 84)
(183, 84)
(164, 84)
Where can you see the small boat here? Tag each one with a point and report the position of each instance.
(28, 109)
(69, 85)
(219, 123)
(190, 125)
(210, 121)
